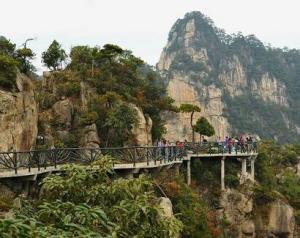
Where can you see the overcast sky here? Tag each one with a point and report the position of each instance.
(141, 25)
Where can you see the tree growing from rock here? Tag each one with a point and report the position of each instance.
(54, 56)
(203, 127)
(190, 108)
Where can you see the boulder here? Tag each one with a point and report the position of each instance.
(142, 131)
(248, 228)
(63, 111)
(277, 221)
(281, 219)
(90, 138)
(167, 206)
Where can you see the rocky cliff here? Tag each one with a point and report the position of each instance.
(241, 85)
(18, 116)
(65, 120)
(247, 219)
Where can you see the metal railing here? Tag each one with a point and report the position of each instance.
(222, 148)
(43, 159)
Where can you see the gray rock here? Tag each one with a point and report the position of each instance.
(167, 206)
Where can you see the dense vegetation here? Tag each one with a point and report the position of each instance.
(275, 167)
(257, 59)
(12, 60)
(86, 202)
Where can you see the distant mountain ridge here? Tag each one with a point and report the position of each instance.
(241, 84)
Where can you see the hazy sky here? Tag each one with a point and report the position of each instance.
(141, 25)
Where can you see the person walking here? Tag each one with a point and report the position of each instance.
(242, 144)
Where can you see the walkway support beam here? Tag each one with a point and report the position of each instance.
(188, 171)
(253, 169)
(223, 173)
(244, 167)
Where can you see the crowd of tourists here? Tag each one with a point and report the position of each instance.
(229, 145)
(243, 144)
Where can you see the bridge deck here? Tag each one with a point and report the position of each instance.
(221, 155)
(24, 172)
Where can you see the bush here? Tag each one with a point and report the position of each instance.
(85, 202)
(292, 158)
(264, 195)
(69, 89)
(232, 180)
(192, 211)
(8, 71)
(46, 100)
(88, 118)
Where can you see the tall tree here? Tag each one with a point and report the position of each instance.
(8, 64)
(203, 127)
(24, 56)
(54, 56)
(190, 108)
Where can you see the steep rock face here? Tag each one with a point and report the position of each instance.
(61, 122)
(246, 219)
(237, 207)
(233, 76)
(271, 89)
(142, 131)
(90, 137)
(279, 221)
(178, 125)
(18, 116)
(58, 122)
(233, 79)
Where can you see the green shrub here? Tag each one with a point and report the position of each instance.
(290, 188)
(292, 158)
(8, 70)
(69, 89)
(264, 195)
(191, 209)
(232, 180)
(297, 217)
(88, 118)
(85, 202)
(46, 100)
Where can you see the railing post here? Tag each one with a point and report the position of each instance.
(45, 159)
(166, 154)
(135, 156)
(29, 162)
(38, 160)
(55, 158)
(176, 152)
(15, 162)
(147, 155)
(91, 154)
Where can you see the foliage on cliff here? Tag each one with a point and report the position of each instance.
(110, 79)
(12, 60)
(276, 174)
(88, 203)
(198, 219)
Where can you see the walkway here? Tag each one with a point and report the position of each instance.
(31, 164)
